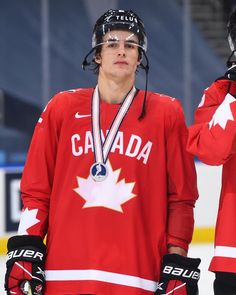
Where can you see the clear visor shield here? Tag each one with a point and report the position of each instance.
(231, 43)
(113, 34)
(115, 41)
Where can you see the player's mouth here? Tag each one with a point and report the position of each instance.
(121, 63)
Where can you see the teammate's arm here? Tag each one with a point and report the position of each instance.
(212, 137)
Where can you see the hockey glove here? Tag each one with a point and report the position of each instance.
(179, 275)
(25, 263)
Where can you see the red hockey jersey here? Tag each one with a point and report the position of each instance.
(108, 237)
(213, 139)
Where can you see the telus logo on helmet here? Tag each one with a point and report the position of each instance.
(126, 18)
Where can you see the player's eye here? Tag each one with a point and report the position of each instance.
(130, 44)
(113, 44)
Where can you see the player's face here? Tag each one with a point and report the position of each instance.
(119, 56)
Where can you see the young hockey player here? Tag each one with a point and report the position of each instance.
(213, 139)
(109, 182)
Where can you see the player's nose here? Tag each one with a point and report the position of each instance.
(121, 49)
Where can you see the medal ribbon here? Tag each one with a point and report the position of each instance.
(101, 151)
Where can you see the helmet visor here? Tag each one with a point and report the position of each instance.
(101, 31)
(114, 39)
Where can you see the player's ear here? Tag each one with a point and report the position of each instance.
(97, 58)
(140, 57)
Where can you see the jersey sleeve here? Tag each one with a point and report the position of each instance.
(212, 138)
(182, 185)
(37, 178)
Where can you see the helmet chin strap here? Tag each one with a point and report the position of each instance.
(146, 69)
(85, 62)
(230, 62)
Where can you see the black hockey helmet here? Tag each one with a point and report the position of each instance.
(116, 19)
(119, 20)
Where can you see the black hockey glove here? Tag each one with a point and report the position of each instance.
(25, 265)
(179, 275)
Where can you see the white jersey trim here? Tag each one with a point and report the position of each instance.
(225, 251)
(102, 276)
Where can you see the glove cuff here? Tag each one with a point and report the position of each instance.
(16, 242)
(181, 260)
(26, 248)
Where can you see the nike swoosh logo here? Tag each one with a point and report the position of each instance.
(78, 116)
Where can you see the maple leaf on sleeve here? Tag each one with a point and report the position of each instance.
(223, 113)
(28, 219)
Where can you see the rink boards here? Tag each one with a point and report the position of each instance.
(209, 180)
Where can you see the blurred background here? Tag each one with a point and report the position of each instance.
(43, 43)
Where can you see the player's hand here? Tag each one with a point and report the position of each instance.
(179, 275)
(25, 265)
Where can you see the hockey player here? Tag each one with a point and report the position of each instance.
(213, 139)
(110, 183)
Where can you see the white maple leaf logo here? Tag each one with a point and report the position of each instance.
(28, 219)
(223, 113)
(108, 193)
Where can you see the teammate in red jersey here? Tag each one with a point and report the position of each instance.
(109, 181)
(212, 138)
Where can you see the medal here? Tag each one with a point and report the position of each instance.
(98, 170)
